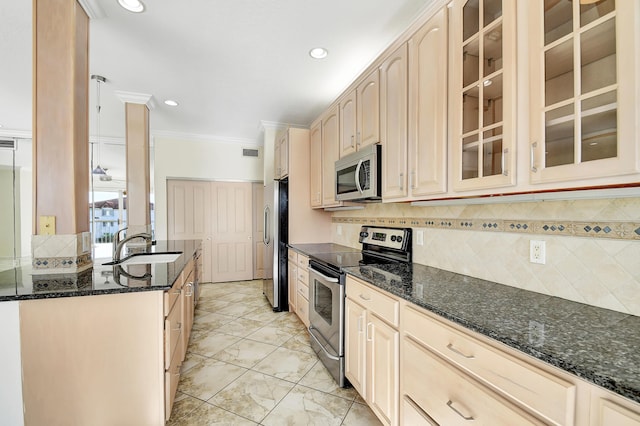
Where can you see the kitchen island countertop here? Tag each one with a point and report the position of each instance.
(599, 345)
(21, 284)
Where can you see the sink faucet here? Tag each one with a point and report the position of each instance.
(118, 246)
(116, 240)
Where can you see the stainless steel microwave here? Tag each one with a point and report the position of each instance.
(358, 175)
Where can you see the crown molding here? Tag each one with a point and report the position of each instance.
(18, 134)
(166, 134)
(276, 125)
(92, 9)
(136, 98)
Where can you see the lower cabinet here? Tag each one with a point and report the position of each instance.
(372, 344)
(298, 282)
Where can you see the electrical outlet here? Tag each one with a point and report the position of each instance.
(537, 252)
(420, 238)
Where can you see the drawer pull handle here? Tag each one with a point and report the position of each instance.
(450, 405)
(362, 296)
(369, 335)
(452, 349)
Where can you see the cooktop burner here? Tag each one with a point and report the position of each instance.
(339, 260)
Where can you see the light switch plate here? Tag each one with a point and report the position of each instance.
(420, 238)
(86, 242)
(47, 225)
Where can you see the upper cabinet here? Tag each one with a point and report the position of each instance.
(360, 115)
(315, 164)
(584, 120)
(428, 108)
(330, 154)
(393, 123)
(281, 156)
(482, 93)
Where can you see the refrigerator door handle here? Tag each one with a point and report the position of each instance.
(266, 238)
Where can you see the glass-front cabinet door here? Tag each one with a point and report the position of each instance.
(583, 84)
(482, 93)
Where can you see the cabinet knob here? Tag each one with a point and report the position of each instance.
(534, 145)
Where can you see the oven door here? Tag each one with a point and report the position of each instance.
(326, 308)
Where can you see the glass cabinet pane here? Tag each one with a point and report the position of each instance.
(470, 157)
(558, 19)
(599, 127)
(598, 57)
(559, 136)
(593, 11)
(492, 152)
(558, 70)
(492, 11)
(470, 19)
(492, 51)
(492, 101)
(470, 115)
(470, 58)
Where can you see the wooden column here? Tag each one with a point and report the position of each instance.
(60, 135)
(138, 174)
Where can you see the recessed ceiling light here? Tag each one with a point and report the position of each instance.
(318, 53)
(171, 102)
(593, 144)
(487, 83)
(135, 6)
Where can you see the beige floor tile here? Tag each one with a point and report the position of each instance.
(191, 360)
(290, 320)
(319, 378)
(360, 415)
(271, 333)
(207, 343)
(286, 364)
(236, 309)
(305, 406)
(241, 327)
(245, 353)
(253, 395)
(182, 406)
(264, 315)
(299, 342)
(209, 415)
(213, 305)
(210, 321)
(208, 378)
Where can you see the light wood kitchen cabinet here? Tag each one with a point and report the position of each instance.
(427, 136)
(393, 124)
(360, 115)
(372, 344)
(281, 156)
(482, 93)
(608, 409)
(315, 164)
(298, 282)
(430, 340)
(188, 303)
(584, 90)
(292, 278)
(330, 154)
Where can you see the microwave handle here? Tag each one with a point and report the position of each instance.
(357, 177)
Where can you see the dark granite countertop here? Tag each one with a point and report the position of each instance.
(21, 284)
(598, 345)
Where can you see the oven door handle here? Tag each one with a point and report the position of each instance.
(330, 356)
(323, 276)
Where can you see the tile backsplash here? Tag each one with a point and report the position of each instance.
(592, 246)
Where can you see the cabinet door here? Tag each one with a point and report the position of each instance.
(393, 124)
(428, 107)
(284, 154)
(292, 280)
(330, 145)
(583, 89)
(383, 345)
(315, 165)
(355, 346)
(277, 168)
(348, 124)
(482, 93)
(368, 111)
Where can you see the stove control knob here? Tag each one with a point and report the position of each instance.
(393, 238)
(364, 234)
(399, 239)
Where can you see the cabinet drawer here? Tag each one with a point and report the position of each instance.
(412, 414)
(303, 261)
(382, 305)
(303, 290)
(453, 398)
(292, 256)
(548, 395)
(302, 306)
(172, 331)
(170, 297)
(303, 275)
(171, 380)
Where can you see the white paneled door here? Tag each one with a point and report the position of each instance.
(220, 214)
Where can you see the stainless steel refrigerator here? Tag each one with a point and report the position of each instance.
(276, 237)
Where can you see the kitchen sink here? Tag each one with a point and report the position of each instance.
(147, 258)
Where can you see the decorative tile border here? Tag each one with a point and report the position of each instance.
(609, 230)
(47, 265)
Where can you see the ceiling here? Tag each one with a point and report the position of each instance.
(231, 64)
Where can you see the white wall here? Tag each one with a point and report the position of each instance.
(206, 160)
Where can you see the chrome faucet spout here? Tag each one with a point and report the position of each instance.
(118, 247)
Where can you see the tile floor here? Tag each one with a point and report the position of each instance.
(248, 365)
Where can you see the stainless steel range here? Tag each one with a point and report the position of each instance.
(327, 293)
